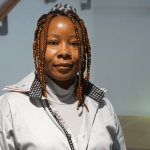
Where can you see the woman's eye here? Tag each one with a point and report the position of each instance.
(74, 44)
(53, 43)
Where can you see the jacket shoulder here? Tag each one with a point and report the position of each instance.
(11, 97)
(94, 92)
(4, 104)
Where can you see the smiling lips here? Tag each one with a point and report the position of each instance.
(64, 66)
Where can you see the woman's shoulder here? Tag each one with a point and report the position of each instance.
(12, 95)
(17, 92)
(10, 98)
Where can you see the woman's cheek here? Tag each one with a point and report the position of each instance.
(51, 51)
(50, 54)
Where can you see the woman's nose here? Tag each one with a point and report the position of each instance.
(64, 51)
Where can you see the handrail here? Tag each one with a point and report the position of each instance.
(7, 7)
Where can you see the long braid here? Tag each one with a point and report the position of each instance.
(81, 82)
(35, 54)
(85, 81)
(87, 47)
(87, 50)
(37, 57)
(36, 50)
(43, 53)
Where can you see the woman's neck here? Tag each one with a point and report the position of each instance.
(64, 84)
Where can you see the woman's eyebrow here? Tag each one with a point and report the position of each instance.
(72, 36)
(54, 35)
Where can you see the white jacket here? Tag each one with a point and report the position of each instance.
(26, 122)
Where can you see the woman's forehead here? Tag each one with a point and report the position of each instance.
(63, 21)
(62, 17)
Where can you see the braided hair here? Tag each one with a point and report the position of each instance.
(42, 25)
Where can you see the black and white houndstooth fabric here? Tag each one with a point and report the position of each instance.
(94, 92)
(64, 7)
(36, 89)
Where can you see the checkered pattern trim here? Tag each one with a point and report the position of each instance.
(94, 92)
(64, 7)
(36, 89)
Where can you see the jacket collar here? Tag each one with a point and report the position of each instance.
(24, 85)
(29, 84)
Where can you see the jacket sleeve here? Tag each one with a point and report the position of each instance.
(119, 141)
(6, 128)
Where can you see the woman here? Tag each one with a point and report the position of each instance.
(40, 112)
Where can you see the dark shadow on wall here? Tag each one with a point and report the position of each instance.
(86, 5)
(48, 1)
(4, 27)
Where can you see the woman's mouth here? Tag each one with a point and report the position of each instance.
(64, 67)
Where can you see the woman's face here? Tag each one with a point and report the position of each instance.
(61, 57)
